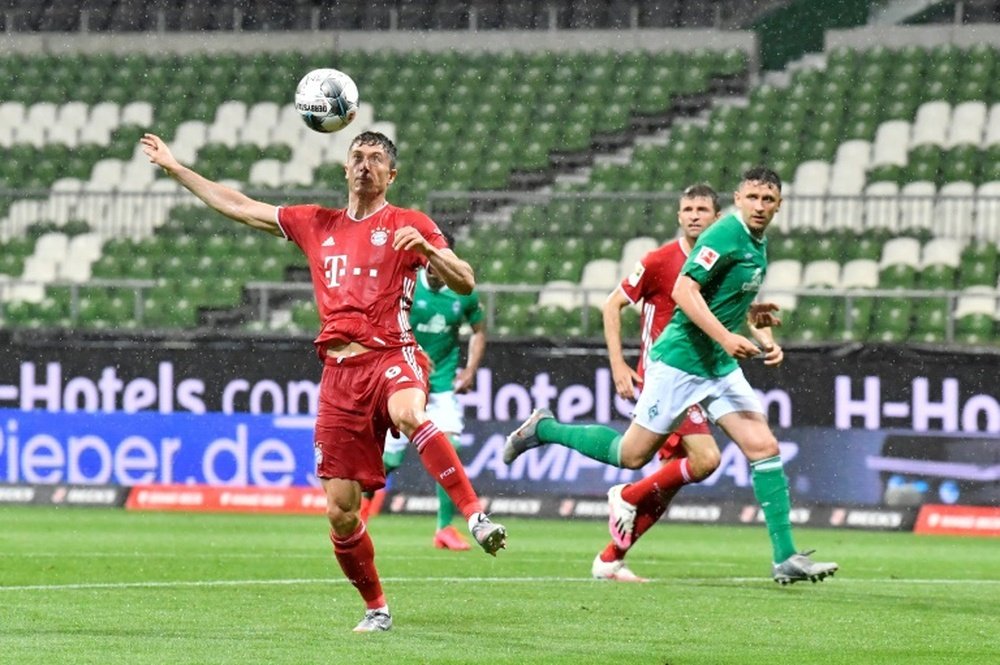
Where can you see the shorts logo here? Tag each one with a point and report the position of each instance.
(695, 415)
(654, 411)
(393, 372)
(706, 257)
(318, 453)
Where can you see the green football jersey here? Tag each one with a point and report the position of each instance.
(729, 264)
(436, 317)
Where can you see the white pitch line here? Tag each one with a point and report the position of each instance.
(462, 580)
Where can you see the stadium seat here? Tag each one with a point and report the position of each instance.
(892, 320)
(783, 276)
(823, 273)
(633, 251)
(558, 293)
(987, 211)
(860, 274)
(917, 206)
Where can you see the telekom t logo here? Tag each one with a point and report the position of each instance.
(334, 267)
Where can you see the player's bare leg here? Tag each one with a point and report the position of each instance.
(355, 551)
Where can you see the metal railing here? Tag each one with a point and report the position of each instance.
(136, 214)
(579, 311)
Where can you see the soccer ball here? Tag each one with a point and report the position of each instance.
(327, 100)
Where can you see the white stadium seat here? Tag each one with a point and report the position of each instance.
(891, 141)
(859, 274)
(882, 205)
(954, 209)
(560, 293)
(917, 205)
(968, 124)
(824, 273)
(901, 250)
(931, 124)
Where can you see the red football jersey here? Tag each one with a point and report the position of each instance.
(652, 282)
(363, 287)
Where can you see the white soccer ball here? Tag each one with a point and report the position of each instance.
(327, 100)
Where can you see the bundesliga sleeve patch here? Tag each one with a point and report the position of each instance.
(636, 275)
(706, 257)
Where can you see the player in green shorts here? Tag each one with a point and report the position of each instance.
(695, 361)
(437, 315)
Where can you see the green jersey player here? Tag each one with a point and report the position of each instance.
(695, 361)
(437, 316)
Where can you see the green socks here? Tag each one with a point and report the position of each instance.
(770, 486)
(597, 442)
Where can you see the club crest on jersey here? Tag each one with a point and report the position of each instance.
(380, 236)
(706, 257)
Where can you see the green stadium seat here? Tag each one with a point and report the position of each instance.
(530, 271)
(931, 319)
(815, 313)
(569, 270)
(898, 276)
(977, 273)
(786, 246)
(857, 318)
(980, 325)
(891, 322)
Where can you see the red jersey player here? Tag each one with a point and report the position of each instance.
(363, 262)
(651, 284)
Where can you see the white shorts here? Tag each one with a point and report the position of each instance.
(668, 392)
(443, 410)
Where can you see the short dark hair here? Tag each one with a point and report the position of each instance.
(380, 139)
(761, 174)
(702, 190)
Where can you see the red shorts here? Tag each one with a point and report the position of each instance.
(353, 415)
(694, 422)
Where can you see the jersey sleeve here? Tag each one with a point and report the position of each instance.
(429, 230)
(712, 253)
(473, 309)
(642, 280)
(294, 220)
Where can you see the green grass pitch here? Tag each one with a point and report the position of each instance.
(96, 586)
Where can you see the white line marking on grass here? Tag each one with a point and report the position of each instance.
(84, 586)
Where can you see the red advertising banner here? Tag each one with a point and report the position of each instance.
(958, 520)
(205, 498)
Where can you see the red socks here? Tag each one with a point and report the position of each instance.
(651, 496)
(672, 475)
(647, 513)
(441, 461)
(356, 556)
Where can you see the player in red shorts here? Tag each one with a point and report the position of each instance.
(651, 284)
(363, 261)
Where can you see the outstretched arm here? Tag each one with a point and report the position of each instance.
(687, 295)
(226, 200)
(623, 375)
